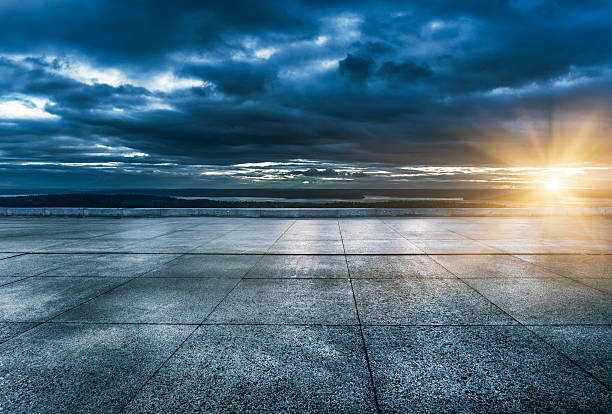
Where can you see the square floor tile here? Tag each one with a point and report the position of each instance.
(603, 285)
(319, 301)
(591, 266)
(423, 302)
(109, 265)
(231, 266)
(394, 267)
(37, 299)
(380, 247)
(476, 370)
(262, 368)
(452, 246)
(74, 368)
(10, 329)
(589, 346)
(307, 247)
(297, 266)
(30, 264)
(491, 266)
(151, 300)
(547, 301)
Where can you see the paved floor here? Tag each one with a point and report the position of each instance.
(356, 315)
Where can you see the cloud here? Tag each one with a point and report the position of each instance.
(434, 83)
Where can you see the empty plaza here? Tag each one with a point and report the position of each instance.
(220, 314)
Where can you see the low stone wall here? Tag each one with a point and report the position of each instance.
(306, 212)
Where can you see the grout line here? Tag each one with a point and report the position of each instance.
(578, 280)
(526, 327)
(201, 323)
(365, 349)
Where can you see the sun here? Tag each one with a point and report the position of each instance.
(553, 184)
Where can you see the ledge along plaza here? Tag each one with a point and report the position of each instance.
(388, 314)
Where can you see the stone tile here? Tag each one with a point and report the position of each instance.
(73, 368)
(452, 246)
(30, 264)
(394, 267)
(423, 302)
(307, 247)
(400, 246)
(589, 346)
(151, 300)
(492, 266)
(230, 266)
(89, 246)
(432, 235)
(9, 330)
(297, 266)
(234, 247)
(6, 280)
(591, 266)
(603, 285)
(262, 368)
(547, 301)
(477, 370)
(109, 265)
(314, 301)
(36, 299)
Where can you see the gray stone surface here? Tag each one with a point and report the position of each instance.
(302, 301)
(231, 266)
(11, 329)
(590, 346)
(109, 265)
(73, 368)
(591, 266)
(300, 266)
(154, 300)
(393, 267)
(263, 368)
(423, 302)
(95, 326)
(30, 264)
(547, 301)
(486, 266)
(36, 299)
(476, 370)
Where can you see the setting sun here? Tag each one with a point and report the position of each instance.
(553, 184)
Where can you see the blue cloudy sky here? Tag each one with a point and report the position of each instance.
(109, 93)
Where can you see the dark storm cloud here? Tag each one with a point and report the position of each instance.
(182, 84)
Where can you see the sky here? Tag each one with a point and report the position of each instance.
(321, 93)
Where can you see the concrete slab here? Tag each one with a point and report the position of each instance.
(30, 264)
(151, 300)
(492, 266)
(73, 368)
(400, 246)
(287, 337)
(423, 302)
(307, 247)
(591, 266)
(452, 246)
(589, 346)
(396, 267)
(477, 370)
(301, 301)
(299, 266)
(263, 368)
(603, 285)
(109, 265)
(230, 266)
(547, 301)
(36, 299)
(9, 330)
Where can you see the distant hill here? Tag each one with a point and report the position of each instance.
(150, 201)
